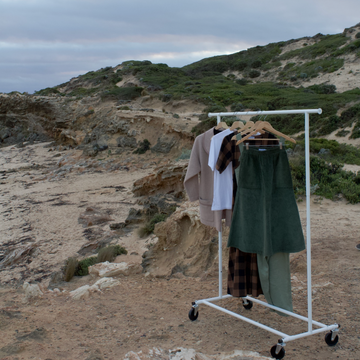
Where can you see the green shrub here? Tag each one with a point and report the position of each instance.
(356, 131)
(340, 153)
(109, 253)
(150, 225)
(350, 114)
(342, 133)
(241, 81)
(70, 269)
(73, 267)
(157, 217)
(323, 89)
(48, 91)
(254, 74)
(256, 64)
(83, 266)
(327, 179)
(240, 65)
(81, 92)
(121, 93)
(143, 147)
(331, 124)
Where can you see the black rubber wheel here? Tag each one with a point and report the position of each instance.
(280, 355)
(329, 341)
(192, 315)
(249, 305)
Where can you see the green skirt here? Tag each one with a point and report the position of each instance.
(265, 217)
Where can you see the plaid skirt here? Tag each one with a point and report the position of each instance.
(243, 275)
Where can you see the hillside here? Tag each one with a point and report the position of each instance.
(97, 164)
(320, 71)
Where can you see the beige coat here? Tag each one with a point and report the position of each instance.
(199, 182)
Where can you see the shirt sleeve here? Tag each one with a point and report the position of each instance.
(228, 152)
(191, 182)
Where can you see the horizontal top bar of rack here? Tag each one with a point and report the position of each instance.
(270, 112)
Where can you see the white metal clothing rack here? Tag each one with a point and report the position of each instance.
(277, 351)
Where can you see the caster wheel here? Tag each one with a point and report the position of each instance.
(249, 305)
(329, 341)
(280, 355)
(192, 315)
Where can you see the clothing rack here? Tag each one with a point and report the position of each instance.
(277, 351)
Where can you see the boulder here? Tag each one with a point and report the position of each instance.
(164, 179)
(86, 290)
(81, 292)
(164, 144)
(107, 269)
(126, 142)
(31, 291)
(106, 282)
(185, 245)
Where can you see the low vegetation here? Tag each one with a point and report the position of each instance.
(327, 179)
(74, 267)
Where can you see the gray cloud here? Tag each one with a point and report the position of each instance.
(44, 43)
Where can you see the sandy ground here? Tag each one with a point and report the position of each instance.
(41, 206)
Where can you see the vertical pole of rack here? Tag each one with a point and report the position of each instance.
(308, 236)
(220, 242)
(220, 264)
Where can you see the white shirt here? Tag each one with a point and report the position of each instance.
(223, 183)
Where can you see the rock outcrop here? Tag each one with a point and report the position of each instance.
(184, 245)
(165, 179)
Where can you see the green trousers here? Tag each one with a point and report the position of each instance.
(274, 273)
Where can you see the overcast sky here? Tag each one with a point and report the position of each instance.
(44, 43)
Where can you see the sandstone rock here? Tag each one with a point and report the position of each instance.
(31, 291)
(134, 217)
(191, 354)
(68, 137)
(16, 255)
(117, 226)
(163, 204)
(86, 290)
(164, 144)
(126, 141)
(94, 216)
(107, 269)
(106, 282)
(81, 292)
(184, 245)
(165, 179)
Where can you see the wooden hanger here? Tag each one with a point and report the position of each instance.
(264, 125)
(262, 139)
(237, 124)
(251, 128)
(247, 126)
(221, 125)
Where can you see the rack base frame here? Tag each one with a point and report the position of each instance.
(277, 351)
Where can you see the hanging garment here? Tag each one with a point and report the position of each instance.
(243, 274)
(199, 182)
(223, 183)
(266, 218)
(229, 153)
(274, 272)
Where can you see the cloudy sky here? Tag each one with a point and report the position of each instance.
(44, 43)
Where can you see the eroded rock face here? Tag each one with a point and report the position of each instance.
(165, 179)
(185, 245)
